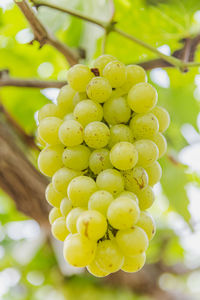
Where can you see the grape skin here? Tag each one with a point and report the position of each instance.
(135, 179)
(48, 130)
(154, 173)
(95, 270)
(49, 110)
(123, 156)
(102, 61)
(163, 117)
(65, 206)
(52, 196)
(120, 133)
(71, 133)
(96, 135)
(147, 223)
(135, 74)
(65, 99)
(161, 143)
(116, 111)
(146, 197)
(99, 89)
(111, 181)
(144, 126)
(54, 214)
(59, 229)
(72, 217)
(76, 158)
(115, 72)
(62, 178)
(79, 76)
(147, 152)
(100, 201)
(134, 263)
(99, 160)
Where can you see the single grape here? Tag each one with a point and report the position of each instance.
(147, 223)
(96, 135)
(142, 97)
(147, 152)
(54, 214)
(116, 110)
(76, 158)
(72, 218)
(135, 74)
(78, 97)
(100, 201)
(161, 143)
(80, 189)
(110, 180)
(71, 133)
(99, 160)
(99, 89)
(154, 173)
(146, 198)
(95, 270)
(132, 241)
(135, 179)
(49, 110)
(163, 117)
(65, 206)
(59, 229)
(102, 61)
(88, 111)
(79, 76)
(123, 156)
(52, 196)
(65, 99)
(144, 126)
(48, 130)
(41, 143)
(123, 213)
(129, 195)
(134, 263)
(69, 116)
(120, 133)
(115, 72)
(78, 251)
(62, 178)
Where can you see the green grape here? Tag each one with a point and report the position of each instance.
(123, 156)
(88, 111)
(144, 126)
(54, 214)
(78, 251)
(120, 133)
(110, 180)
(65, 99)
(161, 143)
(135, 179)
(65, 206)
(80, 189)
(95, 270)
(116, 111)
(123, 213)
(69, 116)
(163, 117)
(48, 130)
(99, 160)
(50, 159)
(154, 173)
(40, 141)
(147, 152)
(134, 263)
(77, 157)
(102, 61)
(49, 110)
(135, 74)
(72, 218)
(78, 97)
(142, 97)
(96, 135)
(59, 229)
(52, 196)
(130, 195)
(100, 201)
(108, 256)
(79, 76)
(132, 241)
(71, 133)
(62, 178)
(99, 89)
(146, 198)
(92, 224)
(147, 223)
(115, 72)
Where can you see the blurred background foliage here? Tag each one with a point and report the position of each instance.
(30, 268)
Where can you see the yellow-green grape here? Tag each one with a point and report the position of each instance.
(134, 263)
(142, 97)
(52, 196)
(50, 159)
(79, 76)
(132, 241)
(134, 74)
(99, 160)
(54, 214)
(59, 229)
(115, 72)
(88, 111)
(163, 117)
(96, 135)
(71, 133)
(135, 179)
(42, 144)
(144, 126)
(78, 97)
(62, 178)
(92, 224)
(94, 269)
(123, 213)
(102, 61)
(72, 218)
(123, 156)
(80, 189)
(48, 130)
(108, 256)
(100, 201)
(116, 110)
(77, 157)
(69, 116)
(147, 223)
(130, 195)
(65, 99)
(65, 206)
(99, 89)
(110, 180)
(120, 133)
(161, 143)
(79, 251)
(49, 110)
(147, 152)
(146, 198)
(154, 173)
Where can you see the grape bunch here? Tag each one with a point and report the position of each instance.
(101, 143)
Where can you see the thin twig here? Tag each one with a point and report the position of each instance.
(31, 83)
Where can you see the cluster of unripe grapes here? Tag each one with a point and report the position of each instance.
(101, 144)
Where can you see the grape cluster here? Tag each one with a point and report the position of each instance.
(101, 144)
